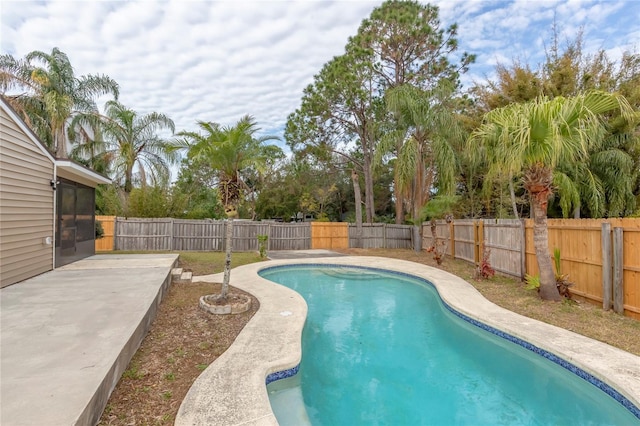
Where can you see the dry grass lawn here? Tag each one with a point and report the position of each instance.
(182, 342)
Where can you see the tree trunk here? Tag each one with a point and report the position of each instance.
(358, 201)
(399, 204)
(512, 193)
(576, 213)
(437, 255)
(368, 190)
(548, 288)
(224, 291)
(417, 238)
(60, 143)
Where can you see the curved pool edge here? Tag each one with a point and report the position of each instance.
(232, 391)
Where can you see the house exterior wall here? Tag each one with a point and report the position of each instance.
(26, 204)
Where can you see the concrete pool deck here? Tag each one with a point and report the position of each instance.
(68, 334)
(232, 391)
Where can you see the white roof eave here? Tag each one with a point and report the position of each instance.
(76, 170)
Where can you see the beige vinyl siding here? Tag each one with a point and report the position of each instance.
(26, 205)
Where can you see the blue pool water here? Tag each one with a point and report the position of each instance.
(382, 349)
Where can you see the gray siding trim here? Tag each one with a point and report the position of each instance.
(26, 201)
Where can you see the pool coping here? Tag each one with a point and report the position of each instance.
(232, 390)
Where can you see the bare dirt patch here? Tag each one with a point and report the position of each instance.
(181, 343)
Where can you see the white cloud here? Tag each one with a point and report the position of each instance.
(218, 60)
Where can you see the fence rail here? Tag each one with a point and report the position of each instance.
(601, 256)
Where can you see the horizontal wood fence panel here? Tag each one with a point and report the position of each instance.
(329, 235)
(373, 235)
(504, 238)
(580, 244)
(463, 239)
(207, 235)
(245, 234)
(287, 236)
(144, 234)
(631, 265)
(198, 235)
(398, 236)
(381, 235)
(108, 225)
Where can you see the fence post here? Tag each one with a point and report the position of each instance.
(452, 238)
(475, 243)
(606, 266)
(115, 233)
(618, 294)
(476, 248)
(481, 244)
(172, 232)
(384, 235)
(523, 250)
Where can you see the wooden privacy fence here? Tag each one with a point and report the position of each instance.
(108, 225)
(381, 235)
(329, 235)
(600, 256)
(206, 235)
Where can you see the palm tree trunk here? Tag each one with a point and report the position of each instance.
(399, 204)
(358, 201)
(512, 194)
(548, 288)
(576, 213)
(224, 291)
(60, 143)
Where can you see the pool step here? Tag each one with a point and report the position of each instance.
(180, 276)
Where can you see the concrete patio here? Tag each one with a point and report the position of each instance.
(67, 336)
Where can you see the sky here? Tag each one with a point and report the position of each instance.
(219, 60)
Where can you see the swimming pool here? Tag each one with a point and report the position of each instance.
(382, 348)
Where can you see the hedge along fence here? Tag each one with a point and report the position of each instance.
(600, 256)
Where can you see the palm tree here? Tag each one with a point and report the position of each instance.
(423, 143)
(42, 87)
(127, 140)
(533, 140)
(232, 151)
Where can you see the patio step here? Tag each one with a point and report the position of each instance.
(175, 274)
(179, 276)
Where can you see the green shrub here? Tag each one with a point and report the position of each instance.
(262, 245)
